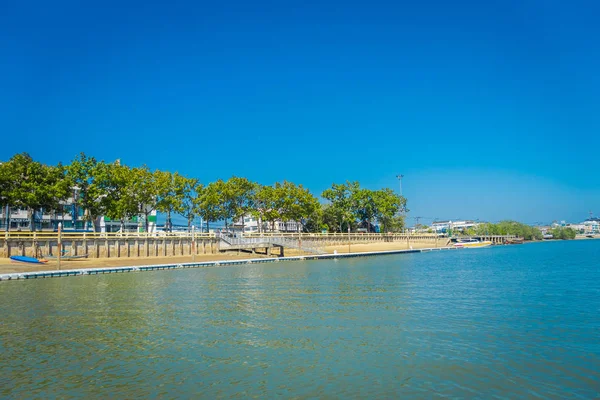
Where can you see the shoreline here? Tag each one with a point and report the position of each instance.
(7, 267)
(205, 264)
(12, 271)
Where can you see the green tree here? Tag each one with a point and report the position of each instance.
(342, 203)
(238, 199)
(265, 206)
(144, 191)
(171, 193)
(563, 233)
(387, 207)
(209, 202)
(7, 189)
(295, 203)
(190, 206)
(120, 201)
(88, 177)
(34, 185)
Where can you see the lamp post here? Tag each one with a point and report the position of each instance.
(400, 181)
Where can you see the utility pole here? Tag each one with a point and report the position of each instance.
(417, 223)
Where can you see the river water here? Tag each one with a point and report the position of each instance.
(517, 321)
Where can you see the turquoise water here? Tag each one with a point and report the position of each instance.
(502, 322)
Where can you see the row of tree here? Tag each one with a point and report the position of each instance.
(509, 228)
(520, 230)
(121, 192)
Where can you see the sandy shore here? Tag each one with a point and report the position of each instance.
(8, 267)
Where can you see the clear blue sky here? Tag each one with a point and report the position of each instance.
(491, 110)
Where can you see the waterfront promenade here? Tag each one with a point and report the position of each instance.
(154, 245)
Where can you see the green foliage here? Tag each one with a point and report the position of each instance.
(171, 190)
(30, 185)
(121, 192)
(563, 233)
(88, 176)
(237, 198)
(209, 202)
(350, 203)
(509, 228)
(119, 200)
(294, 202)
(342, 203)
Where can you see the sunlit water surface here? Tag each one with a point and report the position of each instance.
(505, 322)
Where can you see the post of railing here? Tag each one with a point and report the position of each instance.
(193, 244)
(348, 237)
(59, 244)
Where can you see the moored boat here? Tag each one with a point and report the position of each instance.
(28, 260)
(472, 243)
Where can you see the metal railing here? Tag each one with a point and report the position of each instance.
(49, 235)
(42, 235)
(229, 242)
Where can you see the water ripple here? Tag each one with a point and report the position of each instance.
(509, 322)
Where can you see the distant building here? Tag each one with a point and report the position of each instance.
(444, 226)
(591, 225)
(71, 218)
(251, 225)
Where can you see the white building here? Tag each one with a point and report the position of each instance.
(251, 225)
(443, 226)
(591, 225)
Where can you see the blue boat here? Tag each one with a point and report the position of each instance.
(27, 260)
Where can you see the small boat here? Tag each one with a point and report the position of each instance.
(69, 258)
(472, 243)
(28, 260)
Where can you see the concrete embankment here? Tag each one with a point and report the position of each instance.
(114, 246)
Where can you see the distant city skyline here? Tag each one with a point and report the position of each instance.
(488, 110)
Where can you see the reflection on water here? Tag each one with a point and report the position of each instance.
(519, 321)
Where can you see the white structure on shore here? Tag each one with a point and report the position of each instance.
(251, 225)
(442, 226)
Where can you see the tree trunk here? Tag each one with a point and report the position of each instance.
(207, 226)
(146, 221)
(190, 218)
(168, 223)
(31, 219)
(7, 209)
(122, 225)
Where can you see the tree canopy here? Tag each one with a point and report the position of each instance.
(121, 192)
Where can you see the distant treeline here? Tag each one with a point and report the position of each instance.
(121, 192)
(520, 230)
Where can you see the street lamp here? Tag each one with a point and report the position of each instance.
(400, 180)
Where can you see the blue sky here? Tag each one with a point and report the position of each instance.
(489, 109)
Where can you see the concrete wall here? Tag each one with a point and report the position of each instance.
(108, 248)
(115, 247)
